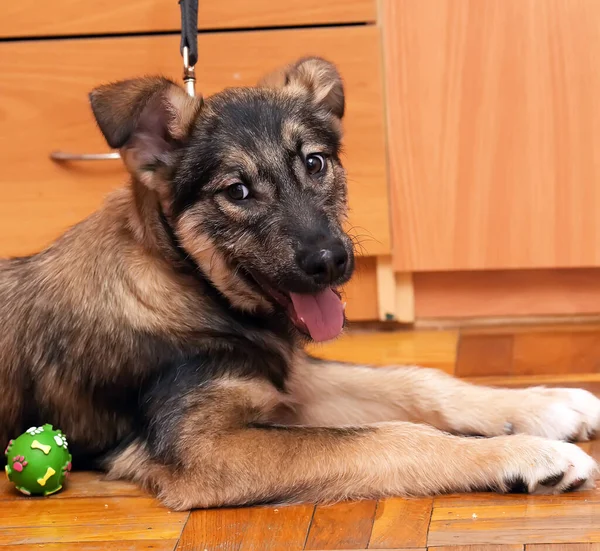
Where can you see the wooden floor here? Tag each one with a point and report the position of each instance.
(91, 514)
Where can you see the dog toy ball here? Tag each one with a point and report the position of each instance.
(38, 461)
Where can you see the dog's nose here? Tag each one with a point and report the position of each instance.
(324, 264)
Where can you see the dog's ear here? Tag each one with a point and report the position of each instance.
(147, 118)
(312, 75)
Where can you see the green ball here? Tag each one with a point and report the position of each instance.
(38, 461)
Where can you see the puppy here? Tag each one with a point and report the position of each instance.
(164, 334)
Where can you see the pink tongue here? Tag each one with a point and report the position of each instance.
(323, 314)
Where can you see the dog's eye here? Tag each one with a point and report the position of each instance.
(238, 192)
(315, 163)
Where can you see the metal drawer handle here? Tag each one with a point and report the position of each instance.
(64, 156)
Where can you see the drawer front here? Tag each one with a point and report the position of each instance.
(44, 107)
(75, 17)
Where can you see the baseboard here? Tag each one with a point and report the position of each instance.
(524, 294)
(507, 321)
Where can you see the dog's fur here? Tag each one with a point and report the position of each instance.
(146, 334)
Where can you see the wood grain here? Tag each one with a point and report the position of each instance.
(265, 528)
(494, 133)
(401, 523)
(80, 484)
(507, 293)
(484, 355)
(425, 348)
(35, 521)
(71, 17)
(342, 526)
(563, 547)
(572, 521)
(360, 293)
(148, 545)
(476, 500)
(590, 326)
(40, 199)
(484, 547)
(63, 512)
(536, 353)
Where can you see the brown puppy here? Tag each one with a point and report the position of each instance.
(164, 333)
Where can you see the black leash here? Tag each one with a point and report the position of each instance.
(189, 42)
(189, 51)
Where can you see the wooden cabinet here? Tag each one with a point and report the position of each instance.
(472, 137)
(41, 198)
(478, 119)
(494, 150)
(76, 17)
(44, 86)
(494, 133)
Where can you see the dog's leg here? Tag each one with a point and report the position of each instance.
(334, 394)
(220, 449)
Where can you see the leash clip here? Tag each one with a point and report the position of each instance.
(189, 73)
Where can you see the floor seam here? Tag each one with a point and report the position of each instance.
(373, 523)
(183, 527)
(429, 523)
(309, 526)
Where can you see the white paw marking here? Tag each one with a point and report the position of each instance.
(35, 430)
(548, 459)
(61, 441)
(559, 413)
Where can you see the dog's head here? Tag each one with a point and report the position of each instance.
(250, 182)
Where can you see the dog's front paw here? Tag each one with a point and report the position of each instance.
(539, 466)
(556, 413)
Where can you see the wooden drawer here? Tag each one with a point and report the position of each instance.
(44, 106)
(74, 17)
